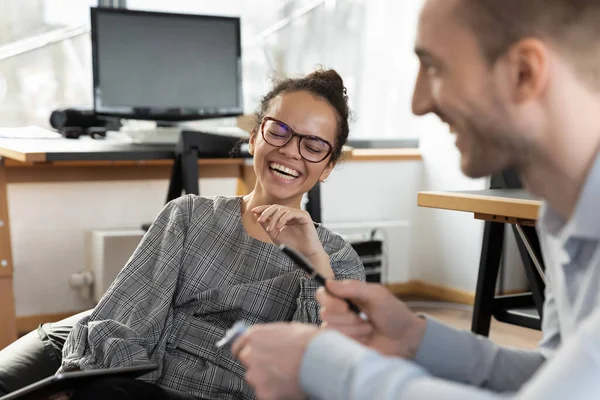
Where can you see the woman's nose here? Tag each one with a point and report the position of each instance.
(292, 148)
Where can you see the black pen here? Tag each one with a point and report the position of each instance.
(308, 268)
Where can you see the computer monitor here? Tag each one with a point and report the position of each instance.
(164, 66)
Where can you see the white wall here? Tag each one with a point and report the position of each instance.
(380, 195)
(446, 244)
(48, 222)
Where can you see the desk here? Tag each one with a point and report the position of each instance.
(84, 160)
(498, 207)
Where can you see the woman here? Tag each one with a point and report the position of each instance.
(206, 263)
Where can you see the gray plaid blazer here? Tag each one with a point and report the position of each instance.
(194, 274)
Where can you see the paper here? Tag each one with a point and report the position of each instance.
(28, 132)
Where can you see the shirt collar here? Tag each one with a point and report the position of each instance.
(585, 221)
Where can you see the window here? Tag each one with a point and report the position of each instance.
(35, 77)
(369, 43)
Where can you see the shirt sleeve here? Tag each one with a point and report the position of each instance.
(462, 356)
(345, 263)
(131, 323)
(336, 368)
(550, 324)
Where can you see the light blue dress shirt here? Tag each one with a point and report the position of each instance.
(454, 364)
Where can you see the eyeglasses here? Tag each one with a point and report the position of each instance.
(311, 148)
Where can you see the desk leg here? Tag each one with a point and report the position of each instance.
(184, 175)
(489, 265)
(531, 255)
(190, 174)
(313, 207)
(8, 325)
(176, 180)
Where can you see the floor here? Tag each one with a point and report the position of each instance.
(459, 316)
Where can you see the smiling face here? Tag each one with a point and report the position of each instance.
(282, 175)
(488, 107)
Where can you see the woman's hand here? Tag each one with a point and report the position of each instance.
(294, 227)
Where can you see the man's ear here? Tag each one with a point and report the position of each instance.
(528, 68)
(326, 172)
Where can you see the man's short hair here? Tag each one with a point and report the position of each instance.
(571, 26)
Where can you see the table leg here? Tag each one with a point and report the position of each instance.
(489, 265)
(190, 173)
(8, 325)
(176, 180)
(313, 207)
(533, 262)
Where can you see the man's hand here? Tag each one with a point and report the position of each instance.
(392, 328)
(272, 355)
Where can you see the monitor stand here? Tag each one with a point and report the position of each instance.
(145, 132)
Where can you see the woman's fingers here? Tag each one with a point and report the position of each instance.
(267, 213)
(297, 215)
(276, 217)
(258, 210)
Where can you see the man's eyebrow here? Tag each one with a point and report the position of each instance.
(426, 56)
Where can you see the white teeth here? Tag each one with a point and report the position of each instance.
(286, 177)
(285, 169)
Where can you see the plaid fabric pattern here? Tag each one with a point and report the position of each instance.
(194, 274)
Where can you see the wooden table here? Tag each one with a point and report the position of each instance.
(84, 160)
(512, 206)
(498, 207)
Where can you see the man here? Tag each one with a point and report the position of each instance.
(519, 84)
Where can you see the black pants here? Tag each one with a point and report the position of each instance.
(126, 389)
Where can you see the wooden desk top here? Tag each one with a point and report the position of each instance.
(512, 203)
(382, 155)
(86, 149)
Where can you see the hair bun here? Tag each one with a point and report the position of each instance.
(326, 84)
(331, 76)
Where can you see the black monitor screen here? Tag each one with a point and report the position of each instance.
(165, 66)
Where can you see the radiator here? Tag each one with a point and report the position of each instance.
(107, 252)
(385, 245)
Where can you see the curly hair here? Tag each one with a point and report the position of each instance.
(326, 84)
